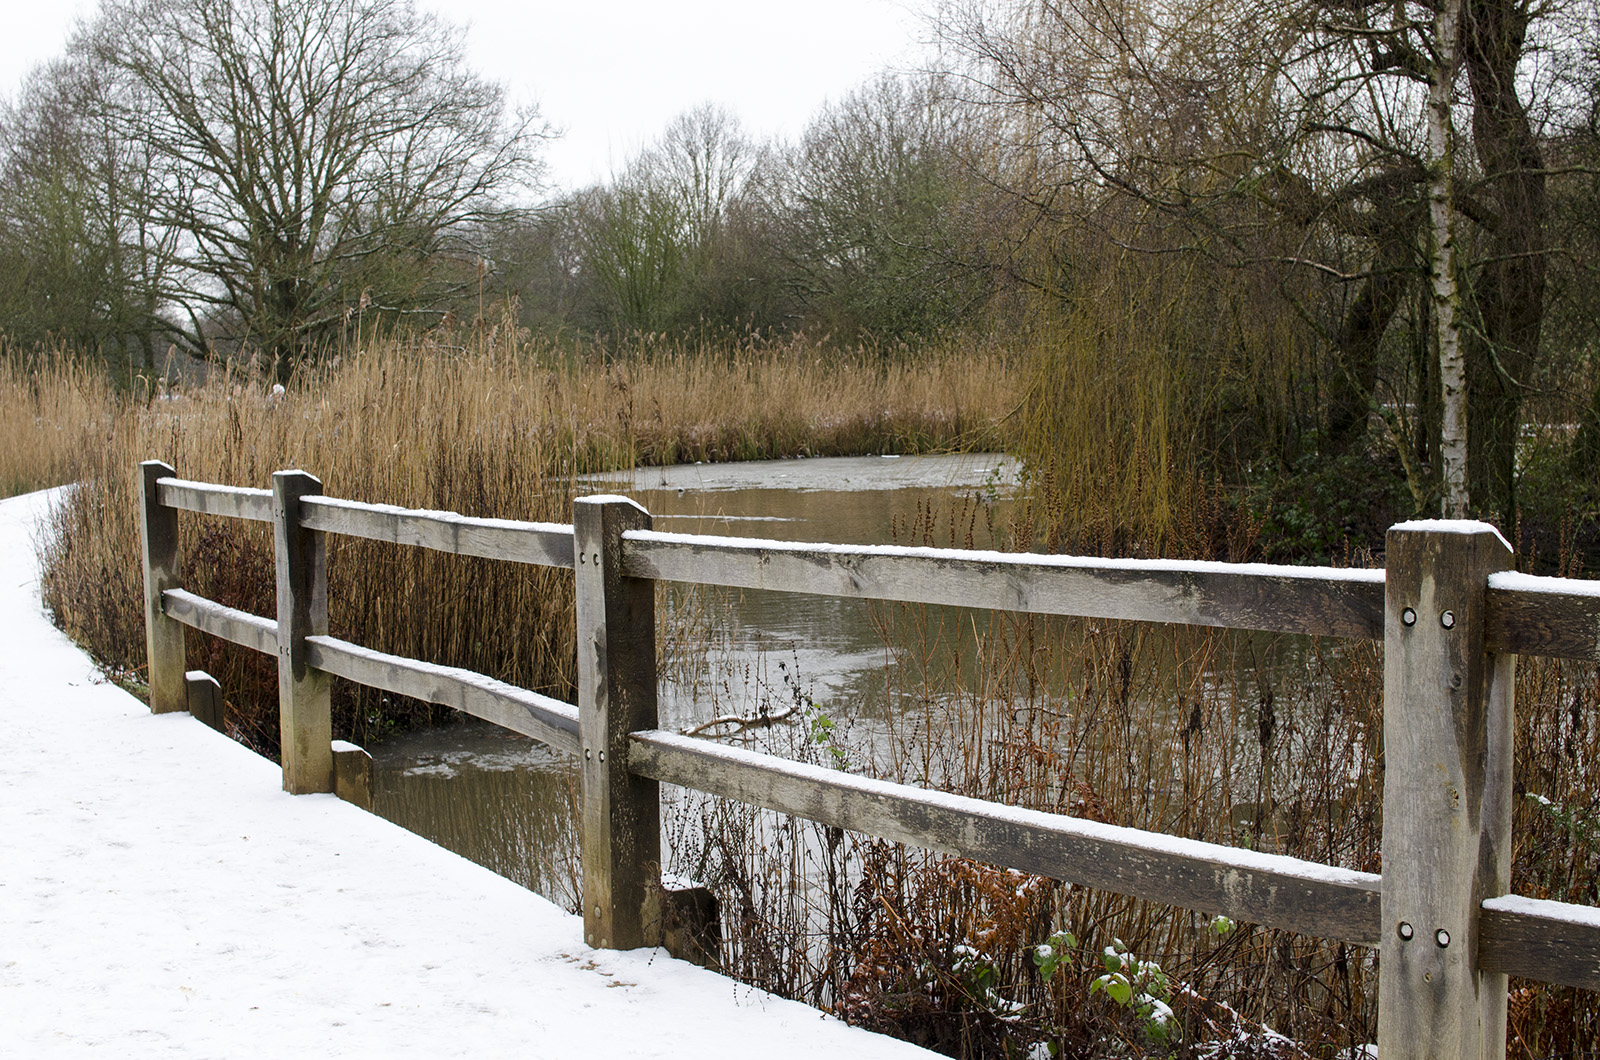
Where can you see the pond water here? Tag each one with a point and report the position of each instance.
(905, 690)
(506, 801)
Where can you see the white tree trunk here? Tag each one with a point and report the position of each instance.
(1446, 296)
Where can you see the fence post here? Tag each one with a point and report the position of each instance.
(620, 827)
(205, 698)
(1447, 734)
(305, 723)
(352, 774)
(163, 636)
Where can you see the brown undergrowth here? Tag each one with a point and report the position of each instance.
(55, 407)
(1263, 741)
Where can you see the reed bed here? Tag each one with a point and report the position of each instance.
(55, 408)
(495, 427)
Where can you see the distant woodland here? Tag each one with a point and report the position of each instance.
(1342, 245)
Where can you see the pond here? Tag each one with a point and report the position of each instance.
(1224, 735)
(506, 801)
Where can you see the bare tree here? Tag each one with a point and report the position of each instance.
(84, 265)
(633, 254)
(886, 216)
(662, 242)
(307, 153)
(701, 163)
(1442, 254)
(1296, 138)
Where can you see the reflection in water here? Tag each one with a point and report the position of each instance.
(508, 803)
(490, 795)
(1073, 714)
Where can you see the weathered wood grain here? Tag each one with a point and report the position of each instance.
(547, 720)
(620, 823)
(545, 544)
(205, 698)
(1317, 601)
(352, 774)
(234, 626)
(305, 711)
(208, 498)
(1554, 942)
(1448, 696)
(1558, 617)
(1448, 738)
(1246, 885)
(163, 638)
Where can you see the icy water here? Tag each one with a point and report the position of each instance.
(506, 802)
(862, 681)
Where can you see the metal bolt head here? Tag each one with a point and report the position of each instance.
(1447, 619)
(1442, 937)
(1409, 616)
(1406, 931)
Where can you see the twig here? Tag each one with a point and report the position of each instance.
(742, 723)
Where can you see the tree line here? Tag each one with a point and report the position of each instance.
(1263, 236)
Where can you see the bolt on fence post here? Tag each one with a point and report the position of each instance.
(163, 636)
(620, 823)
(1447, 734)
(305, 721)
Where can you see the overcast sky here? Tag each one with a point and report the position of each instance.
(613, 73)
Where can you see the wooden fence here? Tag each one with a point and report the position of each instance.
(1451, 614)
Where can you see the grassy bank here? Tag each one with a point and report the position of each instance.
(1243, 739)
(493, 429)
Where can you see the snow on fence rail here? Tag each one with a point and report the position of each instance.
(1450, 613)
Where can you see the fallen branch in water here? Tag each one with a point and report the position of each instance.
(741, 723)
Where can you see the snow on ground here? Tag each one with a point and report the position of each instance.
(160, 896)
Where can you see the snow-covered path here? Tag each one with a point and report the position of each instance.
(161, 897)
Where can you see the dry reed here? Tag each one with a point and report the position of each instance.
(1269, 742)
(53, 407)
(1236, 738)
(498, 428)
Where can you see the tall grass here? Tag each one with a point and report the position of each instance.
(496, 428)
(54, 407)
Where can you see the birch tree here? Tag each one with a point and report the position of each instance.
(1318, 141)
(1446, 295)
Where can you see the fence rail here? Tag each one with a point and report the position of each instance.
(1451, 616)
(1320, 601)
(548, 720)
(1248, 885)
(544, 544)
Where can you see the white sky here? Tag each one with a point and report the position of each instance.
(613, 73)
